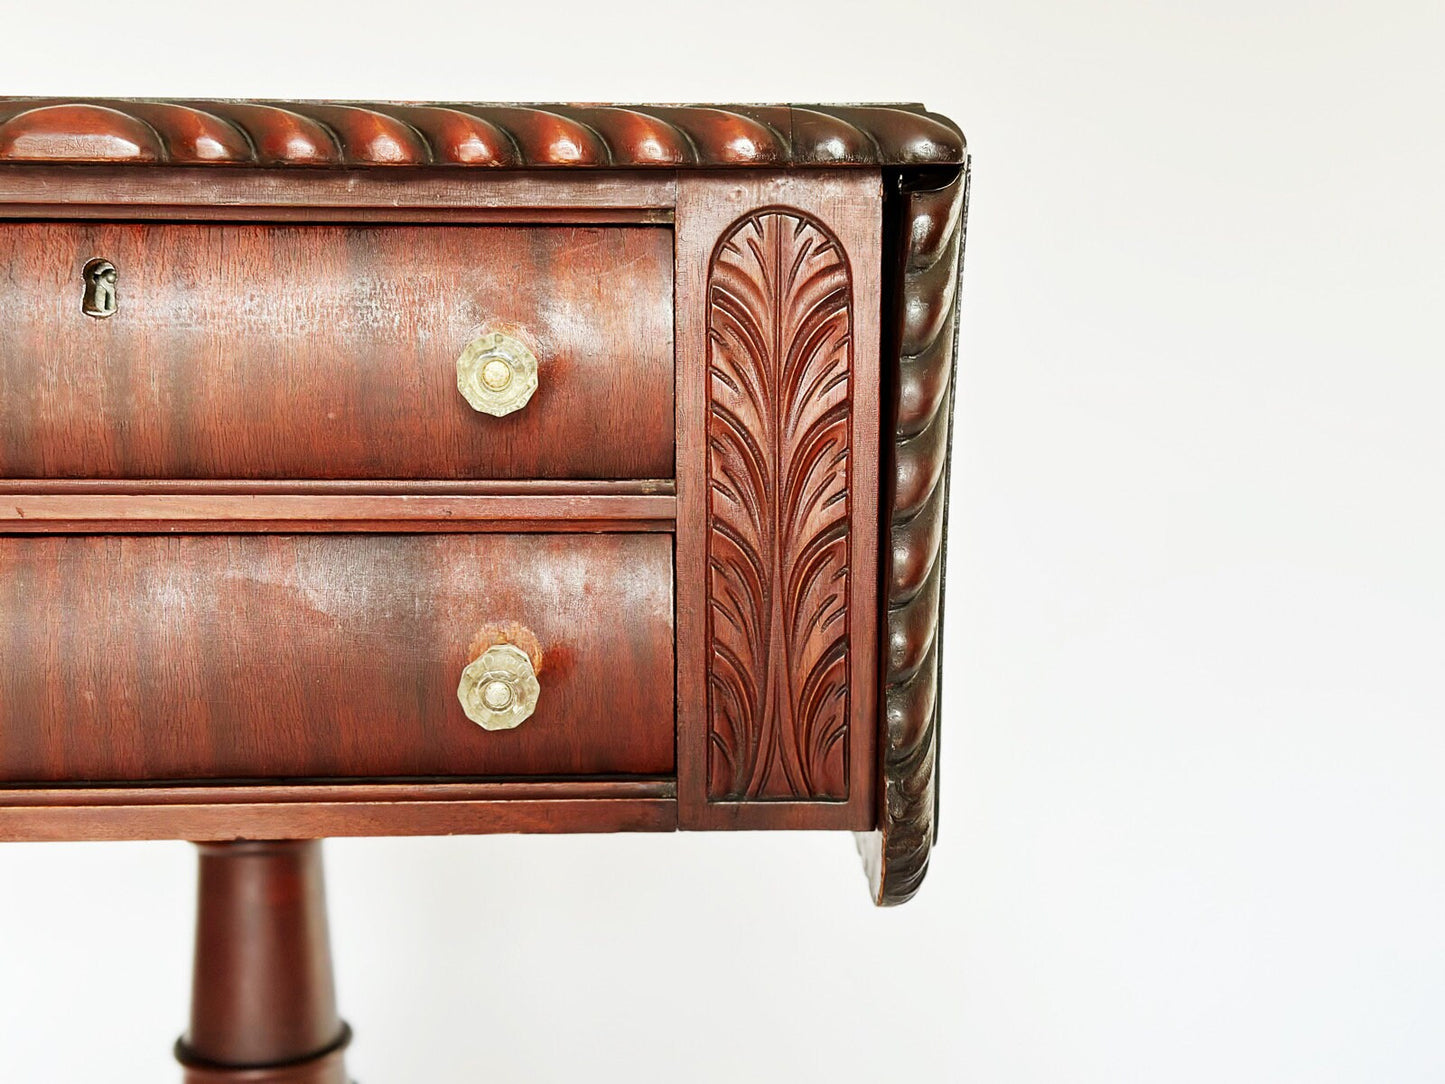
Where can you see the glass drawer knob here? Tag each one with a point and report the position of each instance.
(497, 374)
(499, 688)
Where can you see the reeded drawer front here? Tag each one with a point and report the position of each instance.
(328, 351)
(329, 656)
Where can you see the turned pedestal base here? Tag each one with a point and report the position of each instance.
(263, 1000)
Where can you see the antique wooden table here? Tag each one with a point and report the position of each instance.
(400, 469)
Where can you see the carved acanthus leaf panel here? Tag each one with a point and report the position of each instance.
(780, 359)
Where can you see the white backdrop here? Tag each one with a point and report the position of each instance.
(1196, 718)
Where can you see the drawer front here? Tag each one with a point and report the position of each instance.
(329, 656)
(296, 352)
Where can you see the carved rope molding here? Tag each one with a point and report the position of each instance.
(779, 369)
(923, 347)
(116, 131)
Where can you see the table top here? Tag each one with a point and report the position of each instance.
(498, 136)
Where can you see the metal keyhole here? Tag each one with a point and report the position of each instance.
(99, 276)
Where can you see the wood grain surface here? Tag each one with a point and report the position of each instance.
(133, 658)
(248, 351)
(331, 814)
(262, 993)
(181, 194)
(232, 513)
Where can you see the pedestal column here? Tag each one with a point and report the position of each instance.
(263, 999)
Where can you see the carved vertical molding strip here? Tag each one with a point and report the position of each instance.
(921, 350)
(780, 370)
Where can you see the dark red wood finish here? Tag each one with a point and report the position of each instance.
(149, 510)
(263, 1001)
(393, 135)
(777, 545)
(198, 194)
(146, 658)
(317, 810)
(921, 351)
(328, 351)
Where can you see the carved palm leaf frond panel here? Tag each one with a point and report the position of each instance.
(780, 358)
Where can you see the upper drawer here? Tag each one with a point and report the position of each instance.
(323, 351)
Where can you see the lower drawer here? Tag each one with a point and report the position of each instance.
(329, 656)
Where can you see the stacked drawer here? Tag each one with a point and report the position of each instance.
(335, 501)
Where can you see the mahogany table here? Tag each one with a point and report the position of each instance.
(401, 469)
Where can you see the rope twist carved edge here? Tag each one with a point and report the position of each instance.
(922, 352)
(506, 136)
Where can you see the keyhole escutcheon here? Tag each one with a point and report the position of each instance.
(99, 301)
